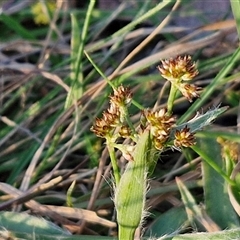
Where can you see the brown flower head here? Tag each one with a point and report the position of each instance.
(111, 123)
(160, 125)
(159, 142)
(184, 138)
(159, 120)
(125, 131)
(178, 69)
(189, 91)
(122, 97)
(105, 126)
(101, 128)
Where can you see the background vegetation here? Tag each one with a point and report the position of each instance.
(52, 167)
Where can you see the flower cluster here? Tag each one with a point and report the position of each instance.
(179, 70)
(115, 121)
(184, 138)
(39, 14)
(161, 126)
(121, 99)
(112, 124)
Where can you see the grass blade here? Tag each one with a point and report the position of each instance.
(235, 4)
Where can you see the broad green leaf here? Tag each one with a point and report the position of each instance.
(221, 235)
(193, 210)
(37, 236)
(216, 197)
(25, 223)
(172, 221)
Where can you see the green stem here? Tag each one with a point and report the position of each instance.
(171, 99)
(213, 165)
(114, 162)
(99, 71)
(130, 194)
(126, 233)
(129, 122)
(78, 57)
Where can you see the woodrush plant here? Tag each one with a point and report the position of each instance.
(141, 144)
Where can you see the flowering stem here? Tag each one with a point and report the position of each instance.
(114, 162)
(171, 99)
(126, 233)
(128, 120)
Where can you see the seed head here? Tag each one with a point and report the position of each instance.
(159, 121)
(184, 138)
(104, 126)
(101, 128)
(122, 97)
(125, 132)
(189, 91)
(159, 142)
(160, 125)
(178, 69)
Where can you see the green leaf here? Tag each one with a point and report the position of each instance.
(202, 120)
(194, 211)
(222, 235)
(169, 222)
(215, 186)
(16, 27)
(25, 223)
(36, 236)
